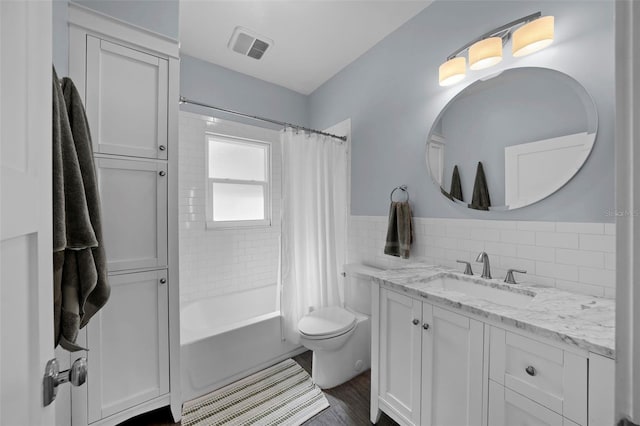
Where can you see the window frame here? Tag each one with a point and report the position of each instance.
(266, 184)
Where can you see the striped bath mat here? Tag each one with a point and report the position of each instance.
(280, 395)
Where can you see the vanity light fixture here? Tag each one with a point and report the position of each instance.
(534, 36)
(453, 71)
(530, 34)
(485, 53)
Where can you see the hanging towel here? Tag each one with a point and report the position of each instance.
(399, 230)
(456, 186)
(480, 199)
(79, 261)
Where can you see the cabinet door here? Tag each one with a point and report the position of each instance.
(452, 354)
(134, 213)
(400, 318)
(601, 390)
(508, 408)
(128, 344)
(126, 100)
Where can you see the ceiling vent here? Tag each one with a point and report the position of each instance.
(248, 43)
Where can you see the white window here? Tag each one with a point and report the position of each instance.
(238, 182)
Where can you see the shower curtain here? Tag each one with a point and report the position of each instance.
(314, 225)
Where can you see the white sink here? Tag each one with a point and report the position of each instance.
(501, 296)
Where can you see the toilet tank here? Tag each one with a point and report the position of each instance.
(357, 287)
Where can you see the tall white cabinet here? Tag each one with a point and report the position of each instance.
(128, 78)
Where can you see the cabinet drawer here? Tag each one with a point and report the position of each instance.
(548, 375)
(507, 408)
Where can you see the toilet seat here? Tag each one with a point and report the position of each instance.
(326, 323)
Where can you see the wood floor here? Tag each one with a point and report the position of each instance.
(349, 404)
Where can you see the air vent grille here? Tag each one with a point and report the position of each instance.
(249, 43)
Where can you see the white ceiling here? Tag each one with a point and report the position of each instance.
(313, 39)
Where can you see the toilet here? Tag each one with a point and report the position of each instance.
(340, 338)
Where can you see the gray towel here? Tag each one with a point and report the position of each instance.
(80, 274)
(399, 230)
(480, 199)
(456, 185)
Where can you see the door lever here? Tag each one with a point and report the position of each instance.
(53, 377)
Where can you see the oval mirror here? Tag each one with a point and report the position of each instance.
(511, 139)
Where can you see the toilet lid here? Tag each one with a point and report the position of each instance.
(327, 322)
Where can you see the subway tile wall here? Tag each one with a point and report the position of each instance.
(221, 261)
(578, 257)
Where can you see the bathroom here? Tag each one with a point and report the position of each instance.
(370, 73)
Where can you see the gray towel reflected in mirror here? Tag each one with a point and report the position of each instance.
(480, 199)
(456, 185)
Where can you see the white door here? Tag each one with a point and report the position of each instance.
(134, 205)
(126, 100)
(128, 344)
(26, 281)
(400, 319)
(452, 354)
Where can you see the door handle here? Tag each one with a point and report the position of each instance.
(53, 377)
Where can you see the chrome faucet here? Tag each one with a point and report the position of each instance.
(483, 257)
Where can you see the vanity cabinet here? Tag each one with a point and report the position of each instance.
(434, 366)
(547, 376)
(400, 347)
(430, 363)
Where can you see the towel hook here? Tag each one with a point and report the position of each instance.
(403, 188)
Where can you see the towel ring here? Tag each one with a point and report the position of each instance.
(403, 188)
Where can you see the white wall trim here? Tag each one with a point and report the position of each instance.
(110, 27)
(627, 15)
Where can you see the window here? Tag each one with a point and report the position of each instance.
(238, 188)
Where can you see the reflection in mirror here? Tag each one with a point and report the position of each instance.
(531, 128)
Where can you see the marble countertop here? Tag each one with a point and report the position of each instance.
(587, 322)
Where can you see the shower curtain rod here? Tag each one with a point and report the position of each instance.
(184, 100)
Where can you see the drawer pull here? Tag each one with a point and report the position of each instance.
(530, 370)
(425, 326)
(162, 147)
(416, 321)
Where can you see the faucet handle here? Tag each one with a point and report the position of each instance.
(509, 279)
(467, 269)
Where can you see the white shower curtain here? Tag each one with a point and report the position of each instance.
(314, 225)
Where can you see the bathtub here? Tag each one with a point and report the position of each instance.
(226, 338)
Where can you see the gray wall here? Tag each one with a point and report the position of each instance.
(392, 96)
(214, 85)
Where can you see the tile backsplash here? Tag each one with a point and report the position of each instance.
(578, 257)
(220, 261)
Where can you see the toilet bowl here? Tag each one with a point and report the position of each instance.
(340, 338)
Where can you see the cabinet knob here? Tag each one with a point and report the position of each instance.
(163, 280)
(425, 326)
(162, 173)
(416, 321)
(162, 147)
(530, 370)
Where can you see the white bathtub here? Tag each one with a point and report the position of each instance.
(228, 337)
